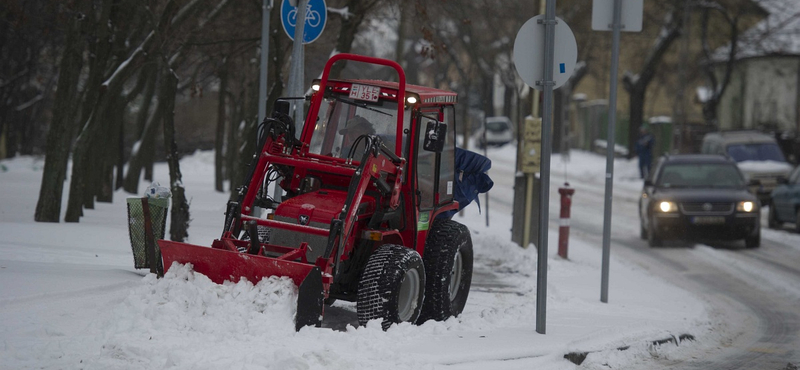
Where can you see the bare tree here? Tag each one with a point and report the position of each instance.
(179, 216)
(59, 138)
(87, 168)
(636, 83)
(717, 87)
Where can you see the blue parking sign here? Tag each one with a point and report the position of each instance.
(316, 17)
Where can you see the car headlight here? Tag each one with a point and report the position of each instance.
(745, 207)
(668, 207)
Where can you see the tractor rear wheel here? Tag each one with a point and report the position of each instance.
(448, 262)
(392, 286)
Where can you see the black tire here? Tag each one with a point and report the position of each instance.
(448, 263)
(392, 286)
(753, 241)
(772, 217)
(642, 230)
(653, 239)
(797, 221)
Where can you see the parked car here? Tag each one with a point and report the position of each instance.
(784, 203)
(499, 132)
(757, 154)
(698, 197)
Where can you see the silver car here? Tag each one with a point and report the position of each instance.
(498, 132)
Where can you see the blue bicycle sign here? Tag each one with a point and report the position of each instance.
(316, 17)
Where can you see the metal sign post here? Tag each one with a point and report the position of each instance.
(610, 149)
(296, 72)
(544, 195)
(266, 8)
(632, 15)
(315, 16)
(539, 74)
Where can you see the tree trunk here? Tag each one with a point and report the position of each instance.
(143, 151)
(179, 224)
(232, 160)
(110, 149)
(219, 140)
(636, 99)
(717, 87)
(59, 138)
(144, 121)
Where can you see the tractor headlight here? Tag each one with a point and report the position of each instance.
(667, 207)
(315, 87)
(745, 207)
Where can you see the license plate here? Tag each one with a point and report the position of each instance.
(708, 220)
(365, 92)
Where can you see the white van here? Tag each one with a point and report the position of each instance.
(757, 154)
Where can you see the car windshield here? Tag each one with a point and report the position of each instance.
(341, 120)
(706, 175)
(755, 152)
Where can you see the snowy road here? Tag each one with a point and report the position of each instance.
(754, 293)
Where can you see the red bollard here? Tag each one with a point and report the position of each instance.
(563, 222)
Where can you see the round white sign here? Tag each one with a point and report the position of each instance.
(529, 52)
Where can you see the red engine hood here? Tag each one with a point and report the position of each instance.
(319, 206)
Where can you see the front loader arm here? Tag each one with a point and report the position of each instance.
(373, 163)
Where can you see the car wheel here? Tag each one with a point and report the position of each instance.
(642, 230)
(772, 217)
(653, 238)
(753, 241)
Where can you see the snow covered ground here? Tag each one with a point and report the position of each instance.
(71, 299)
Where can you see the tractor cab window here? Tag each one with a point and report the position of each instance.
(436, 171)
(342, 120)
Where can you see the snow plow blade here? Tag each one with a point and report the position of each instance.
(310, 300)
(220, 265)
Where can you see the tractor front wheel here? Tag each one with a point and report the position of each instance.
(448, 262)
(392, 286)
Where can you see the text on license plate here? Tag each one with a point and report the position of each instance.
(708, 220)
(365, 92)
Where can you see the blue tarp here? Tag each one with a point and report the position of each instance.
(471, 179)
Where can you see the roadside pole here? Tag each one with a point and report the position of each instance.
(296, 71)
(266, 8)
(610, 146)
(628, 18)
(544, 194)
(486, 154)
(534, 41)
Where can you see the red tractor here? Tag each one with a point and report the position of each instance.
(367, 194)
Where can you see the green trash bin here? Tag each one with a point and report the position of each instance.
(140, 220)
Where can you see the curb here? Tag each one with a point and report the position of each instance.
(578, 357)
